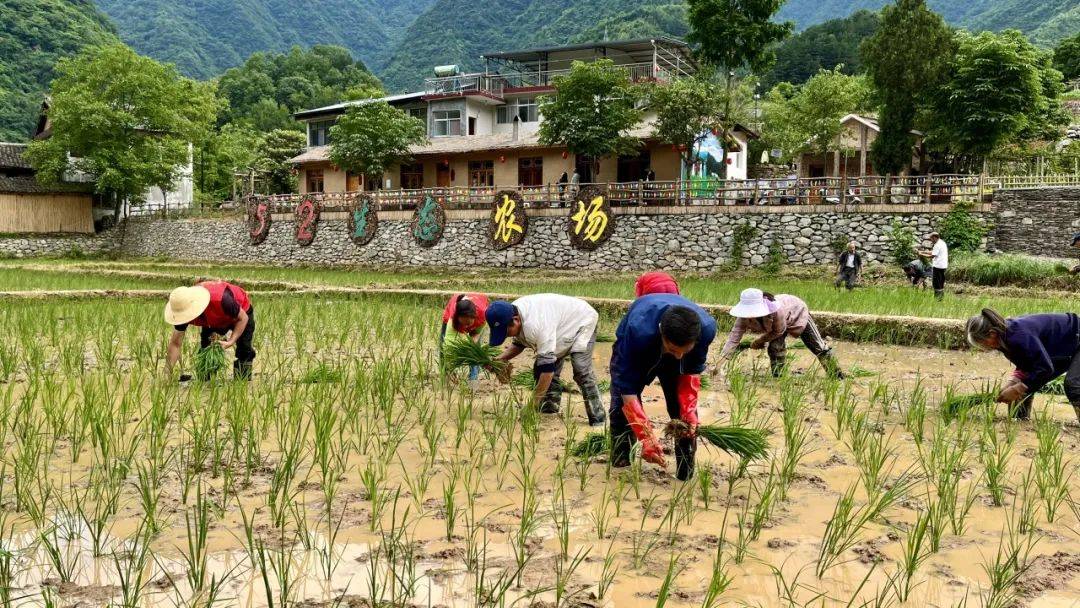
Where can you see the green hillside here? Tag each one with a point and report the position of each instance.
(34, 34)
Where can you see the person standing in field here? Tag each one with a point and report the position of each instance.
(216, 307)
(666, 337)
(464, 314)
(555, 327)
(939, 263)
(655, 282)
(1042, 347)
(850, 267)
(776, 318)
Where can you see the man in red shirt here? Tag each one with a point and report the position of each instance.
(218, 308)
(465, 313)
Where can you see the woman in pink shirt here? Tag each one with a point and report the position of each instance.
(776, 318)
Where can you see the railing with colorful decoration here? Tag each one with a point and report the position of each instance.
(840, 192)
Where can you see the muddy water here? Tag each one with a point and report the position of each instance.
(778, 569)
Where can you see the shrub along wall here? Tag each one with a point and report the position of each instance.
(677, 238)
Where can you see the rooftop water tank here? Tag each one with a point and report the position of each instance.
(442, 71)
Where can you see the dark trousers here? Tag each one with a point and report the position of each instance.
(939, 282)
(815, 343)
(1022, 409)
(623, 438)
(245, 353)
(847, 278)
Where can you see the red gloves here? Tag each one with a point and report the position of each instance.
(642, 428)
(688, 394)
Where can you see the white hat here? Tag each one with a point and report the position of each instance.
(752, 304)
(186, 304)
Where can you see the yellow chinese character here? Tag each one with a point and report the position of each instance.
(504, 220)
(592, 219)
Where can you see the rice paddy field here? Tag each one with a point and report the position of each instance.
(350, 472)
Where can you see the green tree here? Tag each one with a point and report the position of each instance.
(687, 110)
(807, 118)
(125, 120)
(905, 59)
(833, 44)
(994, 90)
(275, 150)
(231, 150)
(592, 112)
(371, 137)
(1067, 57)
(736, 34)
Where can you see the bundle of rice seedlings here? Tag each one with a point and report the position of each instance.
(463, 352)
(736, 440)
(858, 372)
(1054, 387)
(321, 374)
(209, 361)
(601, 338)
(593, 445)
(523, 379)
(603, 385)
(954, 405)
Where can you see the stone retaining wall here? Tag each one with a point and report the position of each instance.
(1036, 221)
(680, 239)
(54, 245)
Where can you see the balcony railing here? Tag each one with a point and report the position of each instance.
(497, 83)
(465, 83)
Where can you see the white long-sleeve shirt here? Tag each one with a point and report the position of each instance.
(940, 253)
(555, 325)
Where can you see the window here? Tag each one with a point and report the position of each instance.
(447, 122)
(314, 180)
(481, 173)
(527, 110)
(412, 176)
(319, 132)
(531, 171)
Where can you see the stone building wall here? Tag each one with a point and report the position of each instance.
(56, 245)
(1036, 221)
(681, 239)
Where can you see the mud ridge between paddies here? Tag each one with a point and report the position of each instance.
(883, 329)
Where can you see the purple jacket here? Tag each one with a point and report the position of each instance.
(1042, 346)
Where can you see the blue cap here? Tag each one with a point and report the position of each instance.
(1076, 237)
(500, 314)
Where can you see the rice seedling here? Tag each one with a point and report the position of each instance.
(848, 520)
(209, 361)
(593, 445)
(915, 554)
(609, 570)
(461, 352)
(995, 453)
(738, 441)
(664, 592)
(1007, 567)
(1052, 470)
(956, 405)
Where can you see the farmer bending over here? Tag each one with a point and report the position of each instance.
(555, 327)
(916, 272)
(464, 313)
(665, 337)
(776, 318)
(655, 282)
(218, 308)
(1075, 245)
(1042, 347)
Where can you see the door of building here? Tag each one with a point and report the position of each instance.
(443, 175)
(583, 165)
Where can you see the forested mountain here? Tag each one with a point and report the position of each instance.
(822, 46)
(34, 34)
(205, 37)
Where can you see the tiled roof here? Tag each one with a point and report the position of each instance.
(11, 156)
(30, 185)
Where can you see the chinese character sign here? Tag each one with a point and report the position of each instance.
(307, 220)
(591, 220)
(508, 220)
(258, 220)
(363, 220)
(428, 221)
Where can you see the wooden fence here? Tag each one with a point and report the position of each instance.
(46, 213)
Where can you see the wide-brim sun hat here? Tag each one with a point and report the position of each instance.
(186, 304)
(752, 304)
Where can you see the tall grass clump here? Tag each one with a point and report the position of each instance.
(1010, 269)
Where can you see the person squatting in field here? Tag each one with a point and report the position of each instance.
(1041, 346)
(465, 314)
(218, 308)
(666, 337)
(556, 327)
(776, 318)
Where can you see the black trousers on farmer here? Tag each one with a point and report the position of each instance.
(1022, 409)
(847, 278)
(815, 343)
(245, 353)
(939, 283)
(623, 438)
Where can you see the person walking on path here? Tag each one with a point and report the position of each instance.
(464, 313)
(776, 318)
(850, 267)
(1041, 346)
(655, 282)
(216, 307)
(556, 327)
(939, 263)
(664, 337)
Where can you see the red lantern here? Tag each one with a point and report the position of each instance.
(446, 161)
(565, 154)
(728, 160)
(502, 158)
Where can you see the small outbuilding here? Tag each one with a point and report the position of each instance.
(28, 206)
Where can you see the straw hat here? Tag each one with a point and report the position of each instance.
(752, 304)
(186, 304)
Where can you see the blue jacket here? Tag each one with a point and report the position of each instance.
(1042, 346)
(637, 354)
